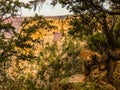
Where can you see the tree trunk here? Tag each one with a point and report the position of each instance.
(108, 33)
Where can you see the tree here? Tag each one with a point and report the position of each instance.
(98, 22)
(101, 17)
(15, 45)
(8, 9)
(95, 9)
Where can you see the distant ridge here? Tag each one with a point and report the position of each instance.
(59, 16)
(16, 21)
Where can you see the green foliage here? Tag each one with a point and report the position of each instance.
(83, 26)
(56, 62)
(97, 42)
(117, 27)
(87, 86)
(8, 9)
(59, 62)
(26, 43)
(18, 45)
(93, 16)
(116, 31)
(98, 23)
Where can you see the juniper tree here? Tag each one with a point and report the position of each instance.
(17, 43)
(99, 20)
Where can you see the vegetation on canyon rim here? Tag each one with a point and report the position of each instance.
(92, 21)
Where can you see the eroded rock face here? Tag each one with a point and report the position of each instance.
(116, 75)
(87, 54)
(103, 68)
